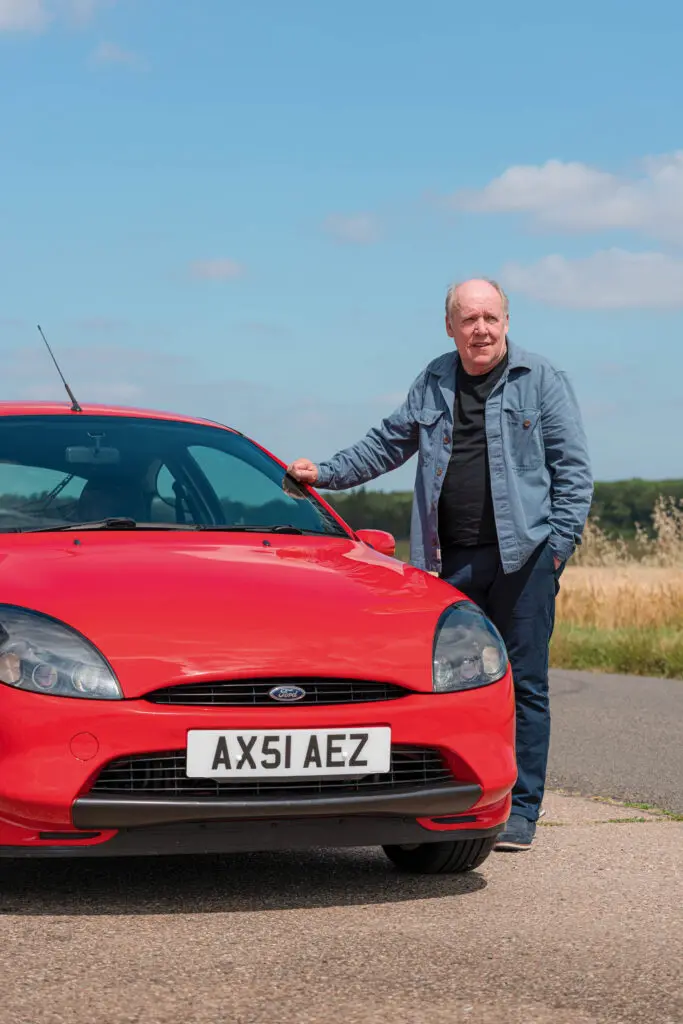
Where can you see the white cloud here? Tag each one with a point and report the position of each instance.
(216, 270)
(108, 54)
(577, 197)
(83, 11)
(80, 12)
(36, 15)
(23, 15)
(357, 229)
(611, 279)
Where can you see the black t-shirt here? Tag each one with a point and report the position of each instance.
(465, 505)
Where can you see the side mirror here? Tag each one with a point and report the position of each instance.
(380, 540)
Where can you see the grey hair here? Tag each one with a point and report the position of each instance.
(451, 300)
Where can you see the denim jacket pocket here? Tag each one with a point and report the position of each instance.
(428, 420)
(524, 438)
(428, 417)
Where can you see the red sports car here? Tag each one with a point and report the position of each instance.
(198, 655)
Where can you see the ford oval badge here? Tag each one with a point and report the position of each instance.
(287, 694)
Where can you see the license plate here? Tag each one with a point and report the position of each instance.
(221, 754)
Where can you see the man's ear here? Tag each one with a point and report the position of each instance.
(449, 327)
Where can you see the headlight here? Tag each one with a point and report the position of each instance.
(40, 654)
(468, 650)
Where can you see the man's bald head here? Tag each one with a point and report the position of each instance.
(458, 288)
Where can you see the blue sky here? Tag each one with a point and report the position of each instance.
(251, 210)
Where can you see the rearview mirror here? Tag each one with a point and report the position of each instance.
(93, 456)
(380, 540)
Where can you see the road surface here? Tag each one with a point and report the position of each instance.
(585, 929)
(618, 736)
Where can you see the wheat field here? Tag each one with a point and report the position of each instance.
(623, 597)
(620, 605)
(612, 584)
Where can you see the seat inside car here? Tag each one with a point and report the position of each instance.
(105, 498)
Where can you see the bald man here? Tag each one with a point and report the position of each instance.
(502, 492)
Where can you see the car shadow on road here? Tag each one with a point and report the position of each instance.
(236, 883)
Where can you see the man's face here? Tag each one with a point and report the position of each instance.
(478, 324)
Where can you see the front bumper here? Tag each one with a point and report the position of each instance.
(52, 749)
(110, 812)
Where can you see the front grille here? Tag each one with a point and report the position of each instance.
(164, 775)
(254, 692)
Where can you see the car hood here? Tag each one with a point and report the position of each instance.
(167, 608)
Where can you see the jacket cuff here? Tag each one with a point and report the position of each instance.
(325, 476)
(561, 548)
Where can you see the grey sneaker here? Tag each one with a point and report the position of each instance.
(518, 834)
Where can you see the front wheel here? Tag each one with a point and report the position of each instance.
(453, 857)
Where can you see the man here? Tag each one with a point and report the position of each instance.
(503, 490)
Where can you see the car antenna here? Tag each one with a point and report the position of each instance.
(75, 407)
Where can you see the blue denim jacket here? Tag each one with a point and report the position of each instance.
(541, 479)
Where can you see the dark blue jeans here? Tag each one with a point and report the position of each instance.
(522, 606)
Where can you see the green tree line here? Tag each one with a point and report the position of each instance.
(618, 505)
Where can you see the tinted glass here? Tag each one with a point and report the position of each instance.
(56, 470)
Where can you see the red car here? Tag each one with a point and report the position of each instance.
(198, 655)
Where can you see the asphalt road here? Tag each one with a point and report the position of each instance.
(587, 928)
(618, 736)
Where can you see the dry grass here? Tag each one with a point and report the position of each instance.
(620, 606)
(614, 585)
(662, 547)
(625, 619)
(623, 597)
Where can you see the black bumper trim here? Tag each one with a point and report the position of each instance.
(252, 837)
(109, 812)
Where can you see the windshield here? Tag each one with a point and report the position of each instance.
(62, 470)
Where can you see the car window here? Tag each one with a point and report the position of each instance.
(245, 494)
(28, 491)
(75, 468)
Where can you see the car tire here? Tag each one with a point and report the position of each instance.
(452, 857)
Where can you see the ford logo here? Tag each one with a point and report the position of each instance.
(287, 694)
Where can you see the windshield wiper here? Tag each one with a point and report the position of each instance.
(265, 529)
(125, 523)
(113, 523)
